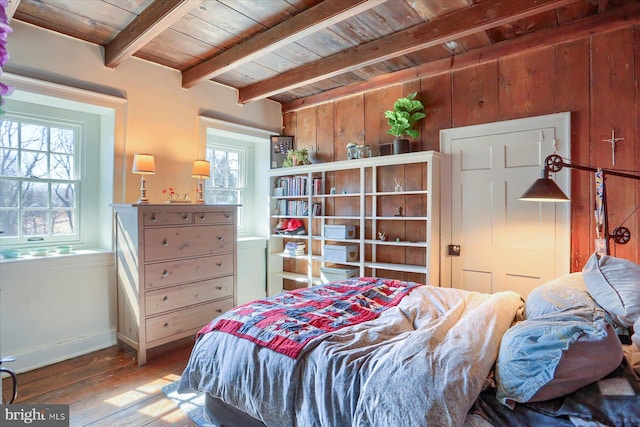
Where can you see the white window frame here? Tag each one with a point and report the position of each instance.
(98, 186)
(79, 129)
(242, 175)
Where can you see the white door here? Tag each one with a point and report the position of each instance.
(505, 243)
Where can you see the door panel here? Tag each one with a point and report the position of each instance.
(506, 244)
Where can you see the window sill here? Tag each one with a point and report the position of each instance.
(53, 256)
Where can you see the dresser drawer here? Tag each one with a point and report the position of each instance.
(167, 299)
(167, 218)
(189, 320)
(189, 270)
(181, 242)
(210, 218)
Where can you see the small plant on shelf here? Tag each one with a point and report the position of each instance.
(406, 112)
(296, 157)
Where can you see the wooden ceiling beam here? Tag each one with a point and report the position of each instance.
(323, 15)
(455, 25)
(608, 21)
(11, 9)
(156, 18)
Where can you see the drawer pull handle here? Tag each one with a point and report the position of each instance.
(185, 217)
(165, 325)
(164, 242)
(219, 288)
(227, 216)
(165, 298)
(202, 217)
(219, 264)
(165, 273)
(153, 218)
(219, 310)
(220, 239)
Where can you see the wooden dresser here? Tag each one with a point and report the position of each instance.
(176, 270)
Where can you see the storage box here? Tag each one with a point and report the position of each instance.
(339, 231)
(341, 253)
(333, 274)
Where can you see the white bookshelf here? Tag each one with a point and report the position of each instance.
(364, 197)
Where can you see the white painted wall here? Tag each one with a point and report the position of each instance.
(55, 308)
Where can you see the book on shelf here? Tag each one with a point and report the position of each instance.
(292, 186)
(318, 186)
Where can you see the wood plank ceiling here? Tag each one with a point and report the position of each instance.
(301, 52)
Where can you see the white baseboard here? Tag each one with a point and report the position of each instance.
(67, 350)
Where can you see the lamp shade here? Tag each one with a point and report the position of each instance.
(143, 164)
(201, 169)
(544, 190)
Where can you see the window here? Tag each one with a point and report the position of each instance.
(43, 152)
(39, 169)
(228, 181)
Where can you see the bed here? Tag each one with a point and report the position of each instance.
(378, 352)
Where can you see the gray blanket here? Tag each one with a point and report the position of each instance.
(422, 363)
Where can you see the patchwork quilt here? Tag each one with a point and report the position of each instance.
(287, 321)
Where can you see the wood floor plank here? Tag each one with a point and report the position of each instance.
(108, 388)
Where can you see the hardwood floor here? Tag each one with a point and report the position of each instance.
(108, 388)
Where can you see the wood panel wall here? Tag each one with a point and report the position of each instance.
(596, 78)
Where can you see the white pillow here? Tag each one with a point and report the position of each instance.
(615, 285)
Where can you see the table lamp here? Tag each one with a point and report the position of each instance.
(200, 170)
(143, 164)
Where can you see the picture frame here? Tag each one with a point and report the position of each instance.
(280, 144)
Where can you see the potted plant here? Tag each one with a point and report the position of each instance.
(406, 112)
(296, 157)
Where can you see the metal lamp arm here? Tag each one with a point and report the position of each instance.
(554, 163)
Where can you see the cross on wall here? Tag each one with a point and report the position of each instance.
(613, 141)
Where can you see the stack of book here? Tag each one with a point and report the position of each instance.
(294, 249)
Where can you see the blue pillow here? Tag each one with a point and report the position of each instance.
(568, 291)
(615, 284)
(555, 354)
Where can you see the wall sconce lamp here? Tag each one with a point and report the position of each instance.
(200, 170)
(545, 189)
(143, 164)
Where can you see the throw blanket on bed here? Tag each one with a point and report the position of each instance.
(287, 321)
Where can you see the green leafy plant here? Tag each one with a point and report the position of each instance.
(299, 156)
(406, 112)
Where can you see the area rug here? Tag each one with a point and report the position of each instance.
(191, 404)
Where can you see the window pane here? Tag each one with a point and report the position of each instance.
(35, 195)
(34, 164)
(63, 195)
(233, 161)
(234, 197)
(8, 162)
(62, 141)
(9, 223)
(9, 193)
(35, 223)
(33, 137)
(61, 167)
(63, 221)
(8, 134)
(233, 179)
(219, 178)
